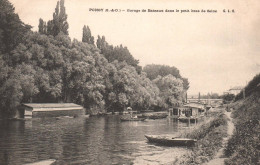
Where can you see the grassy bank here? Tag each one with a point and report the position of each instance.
(244, 146)
(209, 135)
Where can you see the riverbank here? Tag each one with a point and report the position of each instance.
(244, 146)
(219, 159)
(209, 134)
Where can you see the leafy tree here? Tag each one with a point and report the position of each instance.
(87, 37)
(171, 89)
(186, 84)
(59, 22)
(228, 97)
(118, 53)
(12, 29)
(153, 71)
(42, 28)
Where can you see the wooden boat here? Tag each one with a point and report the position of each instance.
(43, 162)
(124, 113)
(170, 141)
(132, 116)
(131, 119)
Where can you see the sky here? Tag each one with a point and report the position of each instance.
(215, 51)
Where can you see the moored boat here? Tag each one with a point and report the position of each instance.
(131, 119)
(132, 116)
(170, 141)
(43, 162)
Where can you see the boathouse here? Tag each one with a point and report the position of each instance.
(177, 112)
(197, 109)
(51, 109)
(191, 110)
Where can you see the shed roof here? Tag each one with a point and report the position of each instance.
(50, 105)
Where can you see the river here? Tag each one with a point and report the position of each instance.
(94, 140)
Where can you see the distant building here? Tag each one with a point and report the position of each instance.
(234, 90)
(51, 109)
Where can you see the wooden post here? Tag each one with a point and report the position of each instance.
(178, 125)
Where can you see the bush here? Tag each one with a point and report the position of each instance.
(244, 145)
(209, 136)
(252, 86)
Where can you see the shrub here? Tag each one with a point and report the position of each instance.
(209, 136)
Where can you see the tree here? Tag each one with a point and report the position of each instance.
(12, 29)
(42, 28)
(87, 37)
(171, 89)
(228, 97)
(59, 22)
(118, 53)
(153, 71)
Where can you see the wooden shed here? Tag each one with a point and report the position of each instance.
(177, 112)
(51, 109)
(187, 111)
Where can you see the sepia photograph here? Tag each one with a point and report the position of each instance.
(106, 82)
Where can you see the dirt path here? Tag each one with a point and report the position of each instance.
(219, 158)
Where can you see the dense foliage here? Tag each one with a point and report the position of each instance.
(209, 136)
(47, 66)
(118, 53)
(87, 37)
(252, 86)
(227, 98)
(243, 147)
(57, 24)
(12, 28)
(153, 71)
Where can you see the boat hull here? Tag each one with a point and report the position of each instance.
(170, 141)
(43, 162)
(132, 119)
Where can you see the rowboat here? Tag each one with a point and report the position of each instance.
(131, 119)
(132, 116)
(170, 141)
(43, 162)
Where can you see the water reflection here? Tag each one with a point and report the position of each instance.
(96, 140)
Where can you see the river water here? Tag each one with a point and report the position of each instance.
(94, 140)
